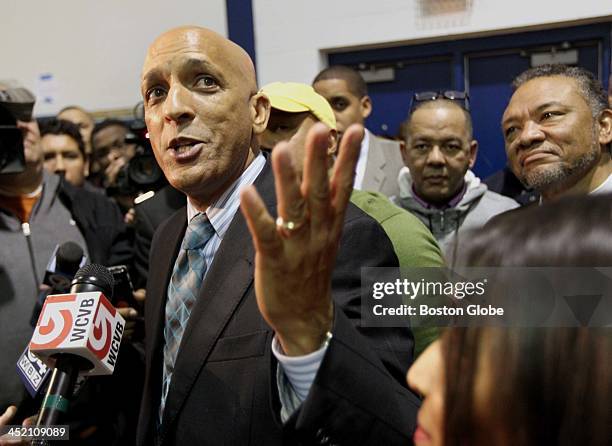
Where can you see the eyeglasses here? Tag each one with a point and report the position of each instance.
(460, 96)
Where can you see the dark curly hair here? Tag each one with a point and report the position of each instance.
(63, 127)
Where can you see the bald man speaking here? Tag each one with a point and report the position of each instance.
(252, 317)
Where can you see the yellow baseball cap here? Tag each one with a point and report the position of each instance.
(295, 97)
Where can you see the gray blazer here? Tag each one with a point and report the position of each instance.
(382, 167)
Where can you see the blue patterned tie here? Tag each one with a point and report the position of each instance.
(183, 290)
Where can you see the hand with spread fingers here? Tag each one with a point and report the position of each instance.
(296, 253)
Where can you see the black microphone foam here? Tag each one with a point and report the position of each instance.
(93, 277)
(60, 271)
(68, 258)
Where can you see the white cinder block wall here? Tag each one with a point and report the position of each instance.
(292, 35)
(94, 49)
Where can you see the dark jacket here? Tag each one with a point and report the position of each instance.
(149, 215)
(62, 213)
(101, 223)
(224, 390)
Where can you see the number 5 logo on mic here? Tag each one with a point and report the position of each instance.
(55, 321)
(82, 324)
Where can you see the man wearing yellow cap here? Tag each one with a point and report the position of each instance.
(295, 109)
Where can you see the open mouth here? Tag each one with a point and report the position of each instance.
(183, 149)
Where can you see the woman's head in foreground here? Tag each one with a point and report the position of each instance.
(523, 386)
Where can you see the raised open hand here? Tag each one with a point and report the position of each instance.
(296, 254)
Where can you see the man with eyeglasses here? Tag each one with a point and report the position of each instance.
(379, 159)
(437, 185)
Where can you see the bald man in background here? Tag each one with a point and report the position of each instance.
(252, 326)
(82, 118)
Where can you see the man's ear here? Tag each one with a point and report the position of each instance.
(260, 112)
(332, 143)
(366, 106)
(473, 152)
(605, 127)
(403, 151)
(86, 167)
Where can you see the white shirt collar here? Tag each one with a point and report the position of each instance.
(222, 211)
(604, 187)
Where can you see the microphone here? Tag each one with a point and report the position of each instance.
(32, 372)
(65, 261)
(69, 258)
(76, 333)
(61, 268)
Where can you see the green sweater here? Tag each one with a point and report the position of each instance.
(414, 245)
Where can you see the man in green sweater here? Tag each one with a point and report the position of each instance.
(296, 108)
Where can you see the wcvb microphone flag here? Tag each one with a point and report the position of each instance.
(81, 324)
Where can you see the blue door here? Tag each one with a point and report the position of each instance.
(391, 100)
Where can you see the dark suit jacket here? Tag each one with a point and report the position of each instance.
(223, 387)
(149, 215)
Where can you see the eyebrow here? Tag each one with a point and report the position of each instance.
(149, 78)
(197, 63)
(538, 109)
(191, 64)
(447, 139)
(551, 104)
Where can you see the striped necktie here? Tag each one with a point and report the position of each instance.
(183, 290)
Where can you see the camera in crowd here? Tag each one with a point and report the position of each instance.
(142, 173)
(16, 104)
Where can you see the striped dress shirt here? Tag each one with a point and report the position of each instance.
(296, 373)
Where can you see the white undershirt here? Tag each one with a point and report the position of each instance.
(362, 161)
(604, 187)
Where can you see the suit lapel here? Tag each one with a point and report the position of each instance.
(374, 176)
(159, 277)
(227, 282)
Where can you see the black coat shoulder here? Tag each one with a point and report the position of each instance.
(101, 222)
